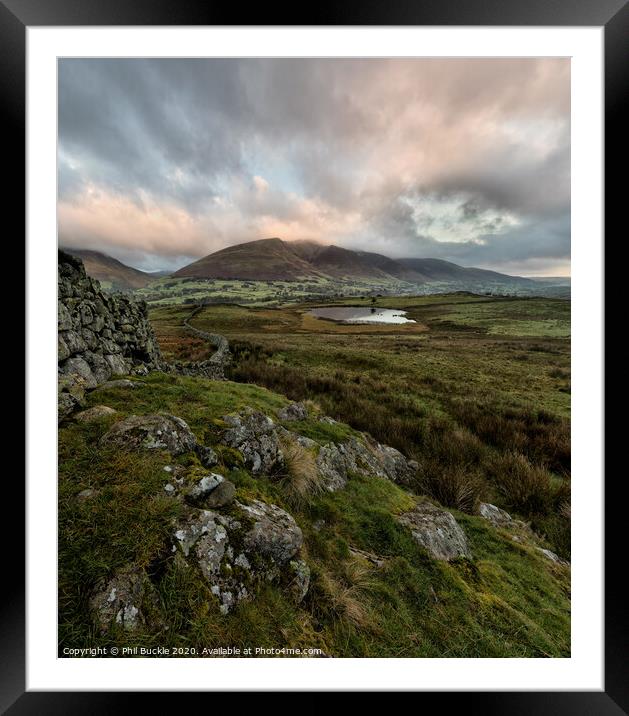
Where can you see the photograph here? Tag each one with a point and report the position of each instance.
(314, 357)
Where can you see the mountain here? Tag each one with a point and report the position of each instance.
(440, 270)
(111, 272)
(274, 259)
(265, 259)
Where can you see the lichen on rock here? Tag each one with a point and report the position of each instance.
(493, 514)
(121, 601)
(437, 531)
(293, 411)
(94, 413)
(235, 552)
(255, 436)
(337, 462)
(158, 431)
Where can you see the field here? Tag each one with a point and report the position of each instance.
(477, 390)
(171, 291)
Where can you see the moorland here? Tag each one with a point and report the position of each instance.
(475, 393)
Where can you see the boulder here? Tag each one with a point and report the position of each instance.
(236, 552)
(293, 411)
(100, 368)
(95, 413)
(274, 533)
(73, 341)
(254, 435)
(436, 531)
(79, 368)
(118, 364)
(158, 431)
(64, 320)
(211, 491)
(222, 496)
(151, 432)
(121, 601)
(63, 351)
(203, 488)
(336, 462)
(493, 514)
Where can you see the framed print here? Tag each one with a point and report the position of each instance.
(328, 381)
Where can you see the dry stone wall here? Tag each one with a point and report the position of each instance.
(99, 335)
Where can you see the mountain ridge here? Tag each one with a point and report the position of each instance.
(275, 259)
(108, 270)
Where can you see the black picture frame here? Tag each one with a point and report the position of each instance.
(17, 15)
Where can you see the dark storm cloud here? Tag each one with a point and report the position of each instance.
(170, 159)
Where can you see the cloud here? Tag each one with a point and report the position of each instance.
(466, 159)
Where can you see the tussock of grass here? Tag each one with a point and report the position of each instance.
(458, 487)
(525, 488)
(302, 479)
(345, 595)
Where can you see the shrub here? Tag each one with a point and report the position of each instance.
(526, 488)
(542, 437)
(453, 486)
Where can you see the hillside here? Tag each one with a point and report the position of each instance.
(312, 503)
(440, 270)
(112, 274)
(290, 561)
(277, 260)
(266, 259)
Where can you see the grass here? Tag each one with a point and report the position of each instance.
(510, 602)
(466, 388)
(302, 478)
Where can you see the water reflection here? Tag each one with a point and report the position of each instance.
(357, 314)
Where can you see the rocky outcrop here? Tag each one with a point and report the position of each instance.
(293, 411)
(337, 462)
(552, 556)
(157, 432)
(121, 602)
(493, 514)
(436, 531)
(274, 533)
(259, 439)
(99, 334)
(95, 413)
(237, 552)
(255, 436)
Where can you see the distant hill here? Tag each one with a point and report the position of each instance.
(111, 272)
(266, 259)
(277, 260)
(440, 270)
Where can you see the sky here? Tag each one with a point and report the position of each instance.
(163, 161)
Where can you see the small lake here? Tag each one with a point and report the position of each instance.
(359, 314)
